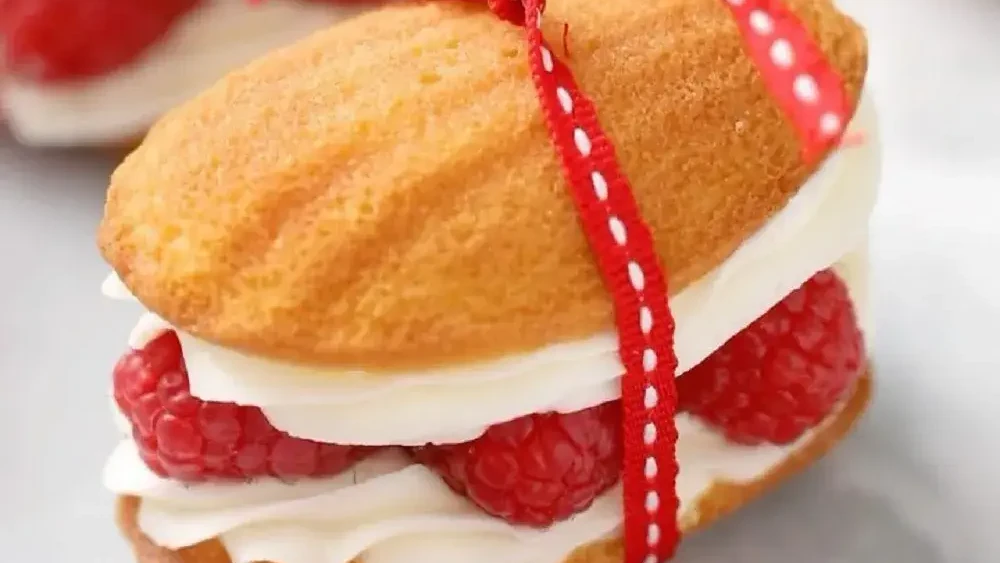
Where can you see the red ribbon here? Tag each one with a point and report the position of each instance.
(800, 78)
(624, 250)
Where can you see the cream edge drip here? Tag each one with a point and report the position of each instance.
(390, 511)
(212, 40)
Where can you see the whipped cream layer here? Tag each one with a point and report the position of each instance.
(212, 40)
(822, 223)
(387, 510)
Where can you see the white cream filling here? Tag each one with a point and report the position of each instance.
(821, 224)
(216, 38)
(387, 510)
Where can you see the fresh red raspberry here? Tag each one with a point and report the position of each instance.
(537, 469)
(191, 440)
(52, 40)
(785, 372)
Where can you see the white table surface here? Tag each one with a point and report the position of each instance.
(919, 482)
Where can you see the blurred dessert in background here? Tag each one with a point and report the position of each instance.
(99, 72)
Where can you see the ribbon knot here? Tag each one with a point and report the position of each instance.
(512, 11)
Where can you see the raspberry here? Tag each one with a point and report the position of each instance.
(537, 469)
(785, 372)
(52, 40)
(191, 440)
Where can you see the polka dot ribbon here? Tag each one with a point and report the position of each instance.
(810, 93)
(798, 75)
(623, 247)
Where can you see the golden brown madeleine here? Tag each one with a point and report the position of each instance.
(386, 194)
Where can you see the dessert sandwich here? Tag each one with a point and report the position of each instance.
(447, 283)
(99, 72)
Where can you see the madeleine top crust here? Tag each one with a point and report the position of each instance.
(385, 193)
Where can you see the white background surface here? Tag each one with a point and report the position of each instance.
(918, 483)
